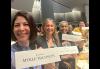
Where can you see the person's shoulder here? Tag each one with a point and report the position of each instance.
(41, 41)
(59, 32)
(39, 37)
(13, 47)
(13, 42)
(76, 29)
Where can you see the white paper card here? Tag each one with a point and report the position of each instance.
(85, 28)
(77, 33)
(67, 50)
(71, 37)
(32, 58)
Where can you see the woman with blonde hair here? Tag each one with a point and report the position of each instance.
(49, 39)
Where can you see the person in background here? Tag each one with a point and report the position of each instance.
(49, 39)
(63, 29)
(70, 29)
(79, 28)
(68, 61)
(39, 30)
(23, 31)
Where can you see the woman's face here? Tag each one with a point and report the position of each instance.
(81, 24)
(49, 28)
(21, 29)
(64, 27)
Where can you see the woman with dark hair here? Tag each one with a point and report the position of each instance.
(79, 31)
(23, 31)
(49, 39)
(79, 28)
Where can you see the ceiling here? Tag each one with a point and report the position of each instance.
(22, 5)
(59, 6)
(70, 4)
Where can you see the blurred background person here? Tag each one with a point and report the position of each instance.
(39, 30)
(68, 61)
(63, 29)
(79, 28)
(70, 29)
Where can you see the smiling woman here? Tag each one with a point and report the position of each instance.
(50, 32)
(26, 22)
(49, 39)
(23, 31)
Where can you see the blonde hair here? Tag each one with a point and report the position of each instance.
(44, 23)
(55, 34)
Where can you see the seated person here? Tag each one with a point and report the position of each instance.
(23, 31)
(64, 29)
(49, 39)
(68, 60)
(79, 28)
